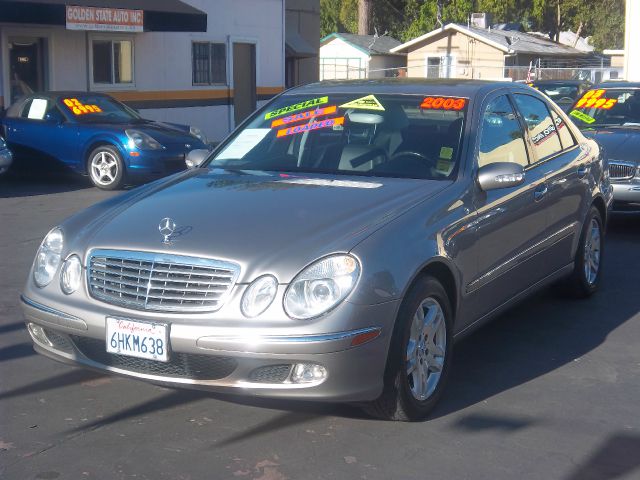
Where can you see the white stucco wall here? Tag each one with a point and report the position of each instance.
(344, 52)
(632, 41)
(163, 60)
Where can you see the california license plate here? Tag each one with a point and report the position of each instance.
(138, 339)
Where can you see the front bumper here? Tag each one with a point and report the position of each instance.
(158, 163)
(626, 193)
(231, 360)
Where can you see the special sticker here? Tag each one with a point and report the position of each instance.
(370, 102)
(329, 122)
(308, 115)
(314, 102)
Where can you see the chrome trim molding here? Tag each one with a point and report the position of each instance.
(158, 281)
(278, 339)
(64, 319)
(485, 278)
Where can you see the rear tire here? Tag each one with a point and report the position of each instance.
(106, 168)
(587, 271)
(420, 354)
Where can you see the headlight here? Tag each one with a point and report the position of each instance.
(48, 258)
(141, 140)
(196, 132)
(321, 286)
(258, 296)
(71, 274)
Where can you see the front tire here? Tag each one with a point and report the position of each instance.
(106, 168)
(587, 271)
(419, 356)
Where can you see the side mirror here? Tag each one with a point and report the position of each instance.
(196, 157)
(500, 175)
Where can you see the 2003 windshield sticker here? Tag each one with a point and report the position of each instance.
(329, 122)
(79, 108)
(308, 115)
(314, 102)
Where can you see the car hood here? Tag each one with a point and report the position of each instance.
(265, 222)
(620, 143)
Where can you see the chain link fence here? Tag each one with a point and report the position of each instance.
(351, 71)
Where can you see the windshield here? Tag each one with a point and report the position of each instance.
(607, 107)
(98, 108)
(560, 93)
(407, 136)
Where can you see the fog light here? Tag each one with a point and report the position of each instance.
(37, 332)
(308, 373)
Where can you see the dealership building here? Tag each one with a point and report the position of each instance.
(207, 63)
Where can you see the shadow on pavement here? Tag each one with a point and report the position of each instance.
(16, 351)
(70, 378)
(27, 184)
(618, 456)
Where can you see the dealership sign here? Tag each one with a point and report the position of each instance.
(104, 19)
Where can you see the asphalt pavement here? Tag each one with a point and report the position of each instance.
(550, 390)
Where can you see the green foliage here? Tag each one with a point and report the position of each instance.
(603, 20)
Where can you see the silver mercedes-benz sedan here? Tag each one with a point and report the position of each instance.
(332, 248)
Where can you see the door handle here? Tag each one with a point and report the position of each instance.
(540, 192)
(583, 170)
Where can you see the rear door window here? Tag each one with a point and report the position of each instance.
(565, 134)
(542, 129)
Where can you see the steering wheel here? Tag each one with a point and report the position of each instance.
(415, 155)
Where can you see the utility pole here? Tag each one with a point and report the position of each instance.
(364, 16)
(558, 23)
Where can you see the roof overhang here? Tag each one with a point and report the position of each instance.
(298, 47)
(159, 15)
(448, 28)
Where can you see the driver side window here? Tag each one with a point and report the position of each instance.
(501, 137)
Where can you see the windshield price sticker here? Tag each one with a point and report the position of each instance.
(138, 339)
(329, 122)
(79, 108)
(443, 103)
(308, 115)
(594, 99)
(314, 102)
(582, 116)
(370, 102)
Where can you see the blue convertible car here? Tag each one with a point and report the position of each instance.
(94, 134)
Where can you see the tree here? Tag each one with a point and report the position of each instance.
(603, 20)
(364, 16)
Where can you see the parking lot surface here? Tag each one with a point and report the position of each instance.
(549, 390)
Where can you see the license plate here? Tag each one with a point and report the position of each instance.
(138, 339)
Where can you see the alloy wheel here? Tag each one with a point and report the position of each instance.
(104, 168)
(426, 349)
(592, 247)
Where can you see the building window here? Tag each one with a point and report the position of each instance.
(209, 63)
(112, 62)
(441, 66)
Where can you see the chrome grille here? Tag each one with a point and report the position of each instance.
(160, 282)
(621, 171)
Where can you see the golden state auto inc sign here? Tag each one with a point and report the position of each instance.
(104, 19)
